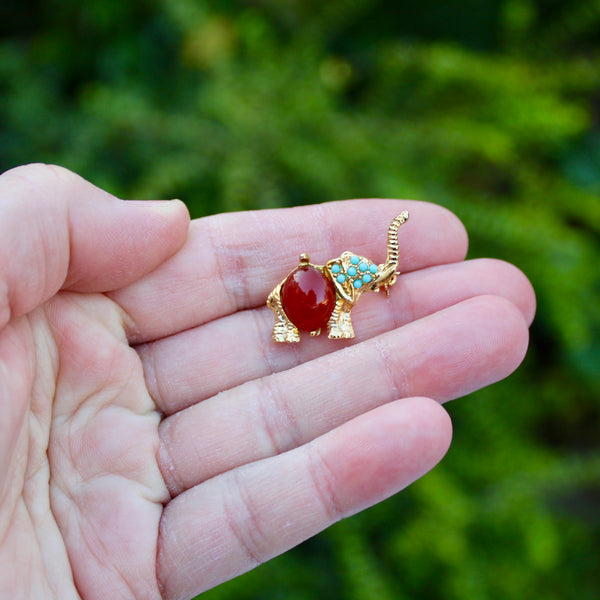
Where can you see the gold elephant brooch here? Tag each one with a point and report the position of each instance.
(312, 297)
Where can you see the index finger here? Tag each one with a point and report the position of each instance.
(231, 262)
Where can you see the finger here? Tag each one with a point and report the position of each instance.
(238, 520)
(245, 350)
(59, 231)
(443, 356)
(232, 261)
(16, 380)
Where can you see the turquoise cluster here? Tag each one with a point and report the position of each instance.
(359, 272)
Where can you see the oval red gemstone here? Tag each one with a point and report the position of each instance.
(308, 298)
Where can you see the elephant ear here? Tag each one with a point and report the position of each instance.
(339, 267)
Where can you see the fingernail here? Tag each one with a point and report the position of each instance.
(163, 207)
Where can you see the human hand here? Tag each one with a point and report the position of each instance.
(155, 442)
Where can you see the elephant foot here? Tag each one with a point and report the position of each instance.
(337, 333)
(285, 333)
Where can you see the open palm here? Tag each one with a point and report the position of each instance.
(155, 442)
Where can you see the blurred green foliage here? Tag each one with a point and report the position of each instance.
(489, 108)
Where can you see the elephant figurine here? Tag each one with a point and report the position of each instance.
(314, 296)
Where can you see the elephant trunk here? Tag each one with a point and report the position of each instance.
(388, 270)
(392, 246)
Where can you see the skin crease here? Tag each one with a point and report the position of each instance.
(155, 442)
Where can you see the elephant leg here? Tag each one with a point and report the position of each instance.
(284, 330)
(339, 325)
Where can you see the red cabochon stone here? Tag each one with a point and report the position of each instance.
(308, 298)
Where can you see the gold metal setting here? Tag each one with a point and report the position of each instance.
(344, 273)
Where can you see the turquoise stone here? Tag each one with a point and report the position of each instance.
(352, 271)
(373, 269)
(355, 260)
(341, 278)
(366, 278)
(336, 268)
(358, 284)
(363, 267)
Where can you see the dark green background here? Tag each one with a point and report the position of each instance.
(489, 108)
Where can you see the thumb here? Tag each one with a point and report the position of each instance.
(58, 231)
